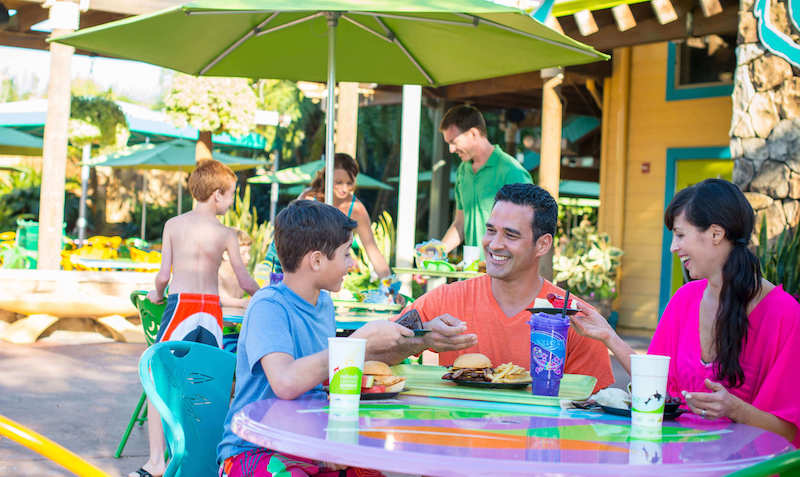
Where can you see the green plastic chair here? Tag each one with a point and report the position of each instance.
(784, 465)
(190, 385)
(150, 314)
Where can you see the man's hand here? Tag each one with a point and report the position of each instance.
(154, 297)
(715, 404)
(383, 336)
(447, 334)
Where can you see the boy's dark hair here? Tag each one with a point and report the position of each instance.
(545, 208)
(463, 117)
(307, 225)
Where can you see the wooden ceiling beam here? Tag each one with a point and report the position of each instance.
(651, 31)
(27, 16)
(125, 7)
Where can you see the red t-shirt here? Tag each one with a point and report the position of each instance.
(506, 339)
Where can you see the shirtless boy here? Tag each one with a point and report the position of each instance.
(191, 253)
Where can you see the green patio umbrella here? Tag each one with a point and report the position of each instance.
(176, 155)
(304, 174)
(382, 41)
(18, 142)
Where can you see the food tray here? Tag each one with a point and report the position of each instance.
(427, 381)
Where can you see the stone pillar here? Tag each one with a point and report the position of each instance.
(765, 125)
(64, 18)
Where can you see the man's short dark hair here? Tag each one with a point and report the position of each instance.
(306, 226)
(463, 117)
(545, 208)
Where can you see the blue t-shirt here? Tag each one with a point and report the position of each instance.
(276, 321)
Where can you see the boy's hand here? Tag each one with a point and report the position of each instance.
(383, 335)
(447, 334)
(154, 297)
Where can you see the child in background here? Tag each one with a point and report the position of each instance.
(192, 247)
(282, 351)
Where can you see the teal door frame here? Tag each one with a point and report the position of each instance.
(674, 155)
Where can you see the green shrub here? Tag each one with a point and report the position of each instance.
(244, 217)
(780, 261)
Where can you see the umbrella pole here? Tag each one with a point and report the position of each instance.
(144, 205)
(333, 18)
(180, 193)
(87, 150)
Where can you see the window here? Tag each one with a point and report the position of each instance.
(701, 67)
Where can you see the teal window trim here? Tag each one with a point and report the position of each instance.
(674, 155)
(676, 93)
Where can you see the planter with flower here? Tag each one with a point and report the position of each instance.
(587, 265)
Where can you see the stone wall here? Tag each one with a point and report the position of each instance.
(765, 125)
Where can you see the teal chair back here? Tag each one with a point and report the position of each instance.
(150, 314)
(190, 385)
(787, 464)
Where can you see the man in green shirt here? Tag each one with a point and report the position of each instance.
(484, 169)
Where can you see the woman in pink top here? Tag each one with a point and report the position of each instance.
(732, 336)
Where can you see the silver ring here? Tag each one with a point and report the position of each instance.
(703, 413)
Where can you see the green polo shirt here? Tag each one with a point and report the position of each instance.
(475, 191)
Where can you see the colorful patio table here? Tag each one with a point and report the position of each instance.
(450, 437)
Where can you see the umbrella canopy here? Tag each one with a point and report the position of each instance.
(382, 41)
(176, 155)
(18, 142)
(304, 174)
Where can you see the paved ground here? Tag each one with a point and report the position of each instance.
(81, 396)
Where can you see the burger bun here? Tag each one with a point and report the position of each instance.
(377, 368)
(472, 361)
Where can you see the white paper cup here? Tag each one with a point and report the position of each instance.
(471, 253)
(345, 368)
(648, 389)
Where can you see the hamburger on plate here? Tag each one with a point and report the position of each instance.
(478, 367)
(471, 367)
(378, 378)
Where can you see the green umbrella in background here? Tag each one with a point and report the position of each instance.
(304, 174)
(176, 155)
(15, 142)
(382, 41)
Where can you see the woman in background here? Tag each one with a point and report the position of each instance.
(345, 172)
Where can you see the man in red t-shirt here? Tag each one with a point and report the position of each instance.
(488, 314)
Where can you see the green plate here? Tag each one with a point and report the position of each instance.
(427, 381)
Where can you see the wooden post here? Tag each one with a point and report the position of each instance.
(347, 118)
(409, 167)
(614, 150)
(204, 146)
(550, 167)
(64, 16)
(439, 205)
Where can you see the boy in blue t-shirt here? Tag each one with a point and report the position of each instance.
(282, 351)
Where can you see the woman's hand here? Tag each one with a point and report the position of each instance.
(715, 404)
(591, 324)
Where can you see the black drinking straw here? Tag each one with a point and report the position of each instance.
(564, 309)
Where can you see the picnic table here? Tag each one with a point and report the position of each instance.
(448, 437)
(115, 264)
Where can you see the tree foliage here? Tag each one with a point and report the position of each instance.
(212, 104)
(98, 121)
(297, 113)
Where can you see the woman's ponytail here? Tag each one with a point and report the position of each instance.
(741, 283)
